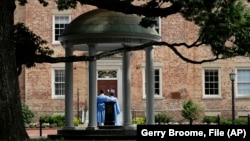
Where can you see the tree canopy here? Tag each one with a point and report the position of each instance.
(224, 25)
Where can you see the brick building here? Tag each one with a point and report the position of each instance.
(42, 87)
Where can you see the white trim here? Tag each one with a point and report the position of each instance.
(212, 113)
(59, 12)
(242, 114)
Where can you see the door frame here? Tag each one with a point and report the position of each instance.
(112, 65)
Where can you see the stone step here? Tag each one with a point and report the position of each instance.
(91, 137)
(100, 134)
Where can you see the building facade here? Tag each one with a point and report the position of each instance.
(209, 84)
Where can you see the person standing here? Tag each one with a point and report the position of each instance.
(101, 99)
(117, 111)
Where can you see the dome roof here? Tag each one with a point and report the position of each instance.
(104, 26)
(104, 21)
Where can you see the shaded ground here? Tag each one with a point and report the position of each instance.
(35, 133)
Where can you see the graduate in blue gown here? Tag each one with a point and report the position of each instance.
(101, 99)
(116, 105)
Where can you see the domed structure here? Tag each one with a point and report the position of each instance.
(102, 30)
(108, 29)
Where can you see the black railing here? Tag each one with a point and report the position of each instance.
(40, 126)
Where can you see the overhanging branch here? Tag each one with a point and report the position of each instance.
(128, 8)
(49, 59)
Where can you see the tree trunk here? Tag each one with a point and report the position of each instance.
(11, 120)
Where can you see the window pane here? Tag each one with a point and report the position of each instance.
(211, 83)
(157, 78)
(243, 83)
(57, 25)
(56, 37)
(59, 82)
(157, 72)
(157, 91)
(156, 85)
(57, 31)
(157, 81)
(60, 23)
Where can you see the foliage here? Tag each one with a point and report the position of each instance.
(76, 121)
(27, 46)
(27, 113)
(238, 121)
(191, 110)
(43, 2)
(58, 119)
(224, 25)
(225, 121)
(139, 120)
(162, 118)
(210, 119)
(241, 121)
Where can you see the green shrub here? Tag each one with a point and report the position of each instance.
(58, 119)
(162, 118)
(27, 113)
(45, 119)
(139, 120)
(76, 121)
(225, 121)
(55, 119)
(241, 121)
(210, 119)
(191, 110)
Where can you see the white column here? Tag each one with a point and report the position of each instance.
(127, 121)
(68, 90)
(92, 125)
(149, 85)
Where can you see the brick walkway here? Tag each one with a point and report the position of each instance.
(35, 133)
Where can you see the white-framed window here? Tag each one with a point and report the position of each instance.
(211, 83)
(58, 81)
(59, 24)
(243, 82)
(157, 82)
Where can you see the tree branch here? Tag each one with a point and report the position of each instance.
(49, 59)
(128, 8)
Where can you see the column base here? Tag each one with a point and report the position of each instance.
(92, 128)
(130, 127)
(68, 128)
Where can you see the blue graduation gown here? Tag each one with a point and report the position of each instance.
(116, 108)
(101, 99)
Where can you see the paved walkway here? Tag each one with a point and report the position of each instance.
(35, 133)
